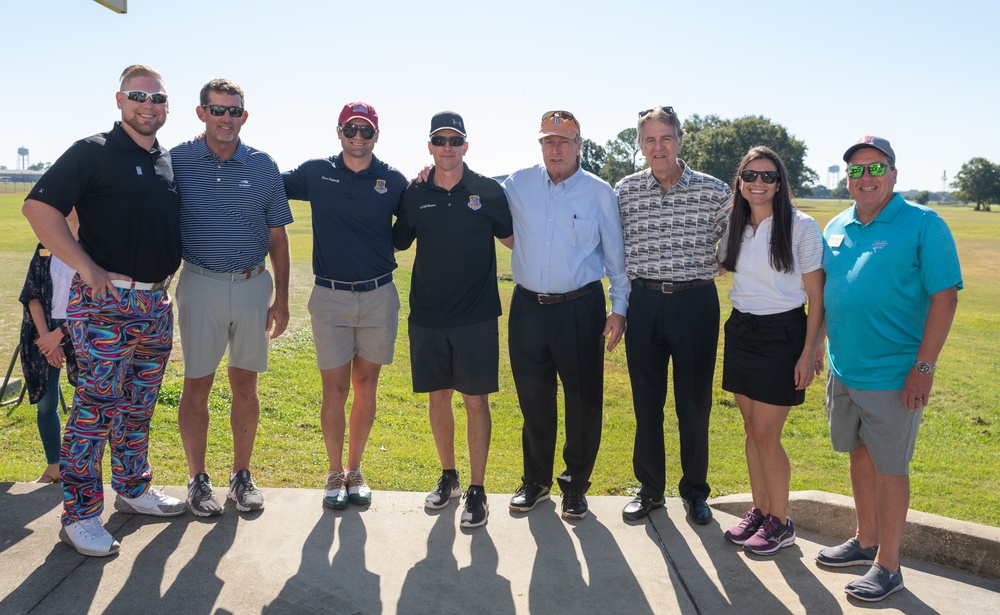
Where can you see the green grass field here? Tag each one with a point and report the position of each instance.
(954, 472)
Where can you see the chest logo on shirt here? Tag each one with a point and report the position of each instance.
(474, 203)
(879, 244)
(244, 184)
(138, 170)
(380, 186)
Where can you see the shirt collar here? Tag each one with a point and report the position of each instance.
(885, 216)
(122, 139)
(567, 183)
(202, 151)
(683, 182)
(429, 184)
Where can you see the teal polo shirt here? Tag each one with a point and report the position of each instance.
(879, 279)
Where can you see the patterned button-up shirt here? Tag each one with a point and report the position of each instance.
(672, 235)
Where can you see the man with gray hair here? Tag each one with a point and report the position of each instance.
(233, 214)
(567, 237)
(892, 282)
(672, 218)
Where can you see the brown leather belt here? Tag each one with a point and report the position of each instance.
(553, 298)
(230, 276)
(669, 288)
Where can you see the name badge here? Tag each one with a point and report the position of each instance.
(835, 241)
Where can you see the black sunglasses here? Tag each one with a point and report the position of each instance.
(220, 110)
(438, 141)
(665, 108)
(768, 177)
(157, 98)
(349, 130)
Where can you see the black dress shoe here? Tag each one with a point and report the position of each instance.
(640, 507)
(698, 511)
(574, 505)
(528, 495)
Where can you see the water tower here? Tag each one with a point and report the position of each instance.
(833, 176)
(23, 162)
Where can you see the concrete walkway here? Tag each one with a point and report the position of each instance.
(396, 557)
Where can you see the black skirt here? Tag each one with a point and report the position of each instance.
(760, 356)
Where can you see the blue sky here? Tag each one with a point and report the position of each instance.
(922, 74)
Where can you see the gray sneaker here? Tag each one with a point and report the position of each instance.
(876, 584)
(201, 499)
(447, 489)
(848, 554)
(246, 495)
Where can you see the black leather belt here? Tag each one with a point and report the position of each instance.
(355, 287)
(552, 298)
(669, 288)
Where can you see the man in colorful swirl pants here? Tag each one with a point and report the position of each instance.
(122, 185)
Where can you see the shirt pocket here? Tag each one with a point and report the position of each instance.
(586, 234)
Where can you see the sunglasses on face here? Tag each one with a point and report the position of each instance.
(565, 115)
(875, 169)
(452, 141)
(768, 177)
(138, 96)
(220, 110)
(666, 109)
(349, 130)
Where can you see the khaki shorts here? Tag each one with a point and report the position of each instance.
(346, 324)
(877, 419)
(215, 315)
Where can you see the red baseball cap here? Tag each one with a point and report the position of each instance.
(361, 110)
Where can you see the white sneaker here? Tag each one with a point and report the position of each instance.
(152, 502)
(89, 537)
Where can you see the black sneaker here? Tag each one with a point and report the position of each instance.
(476, 509)
(528, 495)
(447, 488)
(246, 495)
(574, 505)
(201, 499)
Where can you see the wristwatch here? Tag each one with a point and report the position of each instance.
(924, 367)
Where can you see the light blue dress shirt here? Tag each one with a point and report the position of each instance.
(566, 235)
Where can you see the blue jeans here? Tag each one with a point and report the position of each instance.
(48, 418)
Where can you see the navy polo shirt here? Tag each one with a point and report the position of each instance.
(127, 202)
(454, 279)
(228, 206)
(351, 216)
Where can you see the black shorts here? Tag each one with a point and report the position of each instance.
(465, 358)
(760, 356)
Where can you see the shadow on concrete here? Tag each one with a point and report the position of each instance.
(19, 510)
(560, 584)
(342, 584)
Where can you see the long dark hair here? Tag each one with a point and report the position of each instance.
(781, 258)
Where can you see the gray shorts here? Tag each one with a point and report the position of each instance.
(345, 324)
(877, 419)
(465, 358)
(218, 315)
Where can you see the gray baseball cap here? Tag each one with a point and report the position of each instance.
(878, 143)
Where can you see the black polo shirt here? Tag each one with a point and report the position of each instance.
(351, 215)
(455, 269)
(127, 202)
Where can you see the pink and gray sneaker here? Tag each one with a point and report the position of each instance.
(771, 536)
(751, 522)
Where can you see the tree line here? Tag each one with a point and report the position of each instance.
(715, 146)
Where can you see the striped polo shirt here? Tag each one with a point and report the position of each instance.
(228, 206)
